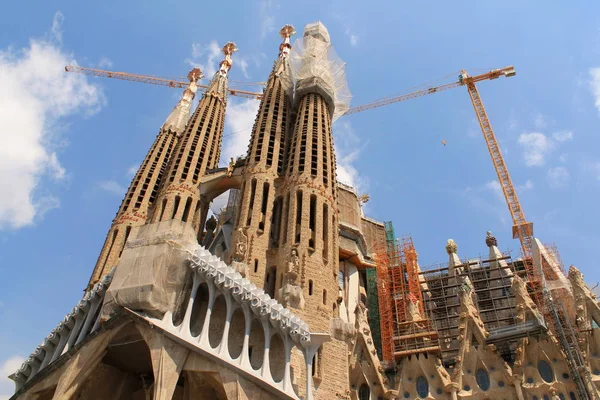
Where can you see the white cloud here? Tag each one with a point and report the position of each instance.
(494, 187)
(131, 171)
(8, 367)
(33, 105)
(267, 20)
(558, 177)
(595, 85)
(526, 186)
(347, 150)
(57, 26)
(536, 146)
(244, 67)
(563, 136)
(112, 187)
(205, 57)
(238, 123)
(105, 62)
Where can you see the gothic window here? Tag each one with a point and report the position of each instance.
(545, 371)
(364, 393)
(310, 287)
(422, 387)
(483, 379)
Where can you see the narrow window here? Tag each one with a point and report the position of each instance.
(325, 230)
(127, 232)
(175, 206)
(312, 221)
(285, 218)
(298, 214)
(252, 193)
(186, 210)
(263, 207)
(162, 209)
(255, 265)
(310, 287)
(324, 297)
(276, 221)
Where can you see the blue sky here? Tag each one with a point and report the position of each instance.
(71, 142)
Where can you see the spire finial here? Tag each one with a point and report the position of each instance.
(225, 65)
(286, 32)
(451, 246)
(490, 240)
(195, 75)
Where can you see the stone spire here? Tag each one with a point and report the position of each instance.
(198, 151)
(143, 189)
(309, 235)
(260, 210)
(178, 119)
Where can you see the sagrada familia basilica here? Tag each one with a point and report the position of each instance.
(291, 292)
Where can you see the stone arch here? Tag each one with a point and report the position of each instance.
(256, 344)
(218, 316)
(277, 357)
(237, 329)
(199, 308)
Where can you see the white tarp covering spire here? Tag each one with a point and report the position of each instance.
(313, 56)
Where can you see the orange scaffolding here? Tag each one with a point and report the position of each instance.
(386, 319)
(404, 328)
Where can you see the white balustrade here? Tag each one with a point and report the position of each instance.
(70, 331)
(240, 294)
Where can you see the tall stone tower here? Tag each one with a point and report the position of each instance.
(198, 151)
(308, 259)
(143, 190)
(259, 214)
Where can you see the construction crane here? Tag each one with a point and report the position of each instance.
(522, 229)
(156, 80)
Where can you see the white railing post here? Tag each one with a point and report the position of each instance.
(185, 325)
(223, 346)
(212, 295)
(268, 335)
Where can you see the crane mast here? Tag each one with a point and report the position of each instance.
(521, 229)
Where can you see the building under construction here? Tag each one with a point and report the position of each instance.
(291, 292)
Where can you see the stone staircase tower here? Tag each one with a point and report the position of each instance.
(199, 150)
(143, 190)
(257, 223)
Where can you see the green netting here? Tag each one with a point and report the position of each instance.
(373, 306)
(389, 231)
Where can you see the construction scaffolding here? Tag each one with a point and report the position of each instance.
(386, 318)
(404, 328)
(491, 280)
